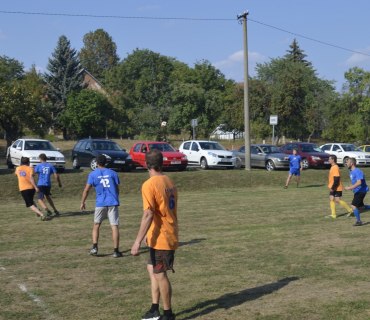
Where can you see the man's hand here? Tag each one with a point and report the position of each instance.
(347, 188)
(83, 206)
(135, 249)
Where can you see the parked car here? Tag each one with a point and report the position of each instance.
(172, 159)
(365, 148)
(32, 148)
(263, 156)
(343, 151)
(207, 154)
(85, 151)
(311, 154)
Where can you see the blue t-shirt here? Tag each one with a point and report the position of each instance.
(105, 182)
(295, 161)
(355, 175)
(44, 170)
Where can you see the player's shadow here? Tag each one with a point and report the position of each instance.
(234, 299)
(73, 214)
(102, 255)
(312, 186)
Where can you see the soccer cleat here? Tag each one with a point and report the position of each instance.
(48, 212)
(117, 254)
(358, 224)
(331, 216)
(94, 251)
(285, 187)
(350, 214)
(155, 315)
(56, 213)
(45, 218)
(170, 317)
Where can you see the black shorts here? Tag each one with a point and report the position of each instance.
(336, 194)
(161, 260)
(28, 197)
(358, 199)
(43, 191)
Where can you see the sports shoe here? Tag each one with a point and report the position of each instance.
(117, 254)
(56, 213)
(48, 212)
(45, 218)
(358, 224)
(164, 317)
(285, 187)
(94, 251)
(155, 315)
(350, 214)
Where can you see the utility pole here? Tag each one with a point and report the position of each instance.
(247, 140)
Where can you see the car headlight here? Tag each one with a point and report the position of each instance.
(212, 154)
(183, 157)
(59, 158)
(315, 158)
(165, 158)
(108, 157)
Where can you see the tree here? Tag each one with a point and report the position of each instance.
(296, 54)
(64, 77)
(99, 53)
(87, 114)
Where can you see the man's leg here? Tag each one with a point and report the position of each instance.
(165, 290)
(288, 180)
(153, 285)
(332, 207)
(95, 233)
(50, 200)
(115, 236)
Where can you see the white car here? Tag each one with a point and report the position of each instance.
(207, 154)
(343, 151)
(32, 148)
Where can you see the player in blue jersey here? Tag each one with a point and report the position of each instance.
(106, 182)
(359, 188)
(295, 168)
(44, 171)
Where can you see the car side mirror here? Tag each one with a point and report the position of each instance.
(339, 150)
(19, 148)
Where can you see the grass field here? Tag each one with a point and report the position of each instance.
(249, 250)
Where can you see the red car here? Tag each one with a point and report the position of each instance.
(172, 159)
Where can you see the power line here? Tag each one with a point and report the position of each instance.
(183, 19)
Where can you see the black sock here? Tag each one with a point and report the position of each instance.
(116, 250)
(154, 307)
(167, 312)
(95, 245)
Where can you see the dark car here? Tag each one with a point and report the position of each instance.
(172, 159)
(85, 151)
(311, 154)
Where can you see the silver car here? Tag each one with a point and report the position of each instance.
(263, 156)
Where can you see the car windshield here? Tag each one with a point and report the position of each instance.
(106, 145)
(270, 149)
(349, 147)
(311, 148)
(164, 147)
(39, 145)
(211, 146)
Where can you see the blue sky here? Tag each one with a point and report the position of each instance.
(31, 39)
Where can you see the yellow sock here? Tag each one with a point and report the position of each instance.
(345, 205)
(332, 208)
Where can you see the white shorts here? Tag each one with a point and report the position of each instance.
(102, 213)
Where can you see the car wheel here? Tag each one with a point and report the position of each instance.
(203, 163)
(238, 163)
(75, 164)
(93, 164)
(305, 164)
(9, 163)
(270, 165)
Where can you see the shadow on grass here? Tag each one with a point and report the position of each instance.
(6, 171)
(312, 186)
(234, 299)
(73, 213)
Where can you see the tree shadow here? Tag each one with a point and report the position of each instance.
(73, 213)
(6, 171)
(234, 299)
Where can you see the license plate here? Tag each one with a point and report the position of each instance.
(119, 161)
(176, 162)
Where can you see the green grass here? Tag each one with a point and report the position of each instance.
(249, 250)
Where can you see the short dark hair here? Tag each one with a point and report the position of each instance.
(42, 156)
(353, 160)
(25, 161)
(101, 160)
(154, 160)
(333, 157)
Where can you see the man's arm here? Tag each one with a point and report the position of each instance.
(32, 180)
(57, 177)
(146, 221)
(84, 196)
(335, 183)
(354, 186)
